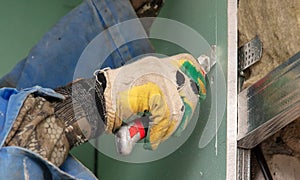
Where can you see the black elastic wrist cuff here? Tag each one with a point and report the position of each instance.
(84, 103)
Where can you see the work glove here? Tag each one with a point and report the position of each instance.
(150, 99)
(165, 90)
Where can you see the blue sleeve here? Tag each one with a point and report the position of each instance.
(52, 61)
(20, 163)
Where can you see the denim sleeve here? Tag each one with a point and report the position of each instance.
(20, 163)
(52, 61)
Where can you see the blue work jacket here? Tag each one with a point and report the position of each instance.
(20, 163)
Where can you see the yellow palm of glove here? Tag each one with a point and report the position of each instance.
(149, 98)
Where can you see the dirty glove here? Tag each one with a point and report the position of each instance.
(166, 90)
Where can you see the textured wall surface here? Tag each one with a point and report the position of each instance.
(277, 23)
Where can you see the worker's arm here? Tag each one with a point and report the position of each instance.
(50, 126)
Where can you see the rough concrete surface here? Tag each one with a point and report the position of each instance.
(277, 23)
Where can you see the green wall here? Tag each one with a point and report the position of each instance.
(22, 24)
(208, 17)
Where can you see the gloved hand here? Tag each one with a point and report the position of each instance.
(165, 90)
(160, 95)
(51, 127)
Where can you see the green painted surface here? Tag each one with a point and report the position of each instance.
(208, 17)
(22, 24)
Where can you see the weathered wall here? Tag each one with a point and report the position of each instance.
(277, 23)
